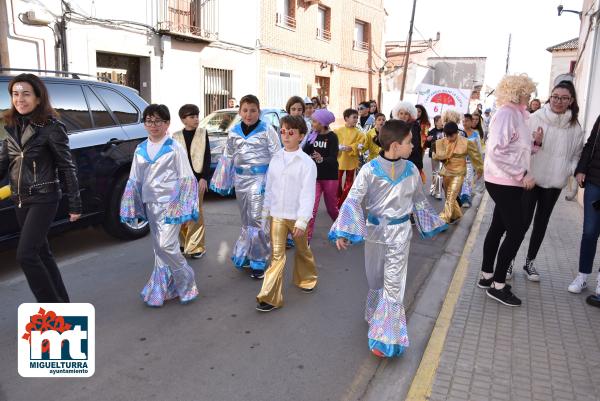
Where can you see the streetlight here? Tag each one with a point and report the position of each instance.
(561, 10)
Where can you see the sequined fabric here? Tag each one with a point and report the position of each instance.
(183, 205)
(222, 179)
(132, 207)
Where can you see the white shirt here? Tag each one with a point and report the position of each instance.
(290, 189)
(154, 147)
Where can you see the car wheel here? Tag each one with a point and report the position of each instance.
(112, 220)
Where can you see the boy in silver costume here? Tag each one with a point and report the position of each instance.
(391, 189)
(162, 189)
(250, 146)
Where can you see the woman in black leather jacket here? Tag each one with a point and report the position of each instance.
(34, 154)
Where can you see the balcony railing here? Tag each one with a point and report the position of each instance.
(285, 21)
(358, 45)
(323, 34)
(195, 19)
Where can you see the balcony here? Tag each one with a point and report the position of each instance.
(195, 19)
(323, 34)
(358, 45)
(285, 21)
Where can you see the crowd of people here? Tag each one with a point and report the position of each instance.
(369, 171)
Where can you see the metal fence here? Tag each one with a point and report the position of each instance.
(218, 87)
(192, 18)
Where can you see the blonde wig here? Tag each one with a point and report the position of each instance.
(451, 115)
(405, 106)
(512, 87)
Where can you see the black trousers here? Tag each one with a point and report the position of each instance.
(34, 255)
(541, 201)
(508, 217)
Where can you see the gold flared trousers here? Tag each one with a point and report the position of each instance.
(305, 270)
(192, 233)
(452, 187)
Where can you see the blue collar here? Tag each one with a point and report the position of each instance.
(261, 127)
(142, 150)
(379, 172)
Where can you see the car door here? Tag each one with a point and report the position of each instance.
(8, 221)
(91, 129)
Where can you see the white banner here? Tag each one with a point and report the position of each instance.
(436, 99)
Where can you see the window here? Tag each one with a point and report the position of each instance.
(286, 14)
(280, 86)
(361, 35)
(357, 96)
(5, 102)
(121, 108)
(273, 119)
(324, 23)
(572, 66)
(100, 115)
(71, 106)
(218, 87)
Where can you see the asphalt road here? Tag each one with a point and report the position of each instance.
(219, 347)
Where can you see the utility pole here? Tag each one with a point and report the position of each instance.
(407, 59)
(508, 53)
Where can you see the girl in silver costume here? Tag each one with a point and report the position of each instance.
(391, 189)
(162, 189)
(250, 146)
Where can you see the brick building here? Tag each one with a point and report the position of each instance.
(328, 48)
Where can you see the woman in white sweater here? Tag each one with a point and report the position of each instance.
(551, 165)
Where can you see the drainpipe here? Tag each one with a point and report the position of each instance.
(62, 34)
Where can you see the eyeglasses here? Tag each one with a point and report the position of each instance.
(156, 123)
(561, 99)
(362, 108)
(289, 131)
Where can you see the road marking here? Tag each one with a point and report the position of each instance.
(422, 383)
(66, 262)
(223, 252)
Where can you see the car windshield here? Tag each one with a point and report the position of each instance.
(219, 121)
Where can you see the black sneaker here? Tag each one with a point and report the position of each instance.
(504, 296)
(257, 274)
(593, 300)
(530, 271)
(197, 255)
(307, 290)
(265, 307)
(487, 283)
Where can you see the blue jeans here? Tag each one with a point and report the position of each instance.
(591, 228)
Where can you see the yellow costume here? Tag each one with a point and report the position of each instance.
(349, 137)
(370, 144)
(454, 158)
(192, 234)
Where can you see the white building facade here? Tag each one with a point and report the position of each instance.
(172, 51)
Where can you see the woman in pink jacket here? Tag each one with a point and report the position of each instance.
(508, 153)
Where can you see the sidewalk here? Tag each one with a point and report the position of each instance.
(547, 349)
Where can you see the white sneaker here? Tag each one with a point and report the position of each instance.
(579, 284)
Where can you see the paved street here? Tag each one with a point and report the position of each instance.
(548, 349)
(218, 348)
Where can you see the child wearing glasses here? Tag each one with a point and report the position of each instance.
(351, 141)
(250, 145)
(289, 199)
(391, 189)
(162, 189)
(195, 141)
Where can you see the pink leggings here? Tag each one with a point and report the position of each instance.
(329, 189)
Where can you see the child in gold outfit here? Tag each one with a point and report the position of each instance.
(289, 201)
(452, 151)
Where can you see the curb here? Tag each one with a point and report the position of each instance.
(411, 376)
